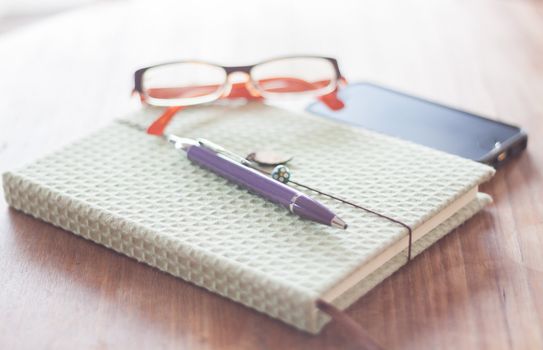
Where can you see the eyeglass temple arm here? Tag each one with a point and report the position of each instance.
(158, 126)
(332, 99)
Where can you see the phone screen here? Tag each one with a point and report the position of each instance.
(423, 122)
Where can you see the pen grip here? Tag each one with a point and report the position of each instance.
(242, 175)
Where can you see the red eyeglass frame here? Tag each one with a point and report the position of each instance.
(245, 90)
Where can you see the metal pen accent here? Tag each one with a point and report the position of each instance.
(239, 170)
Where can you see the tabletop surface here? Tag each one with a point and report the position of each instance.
(479, 287)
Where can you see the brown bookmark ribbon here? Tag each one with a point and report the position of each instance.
(354, 330)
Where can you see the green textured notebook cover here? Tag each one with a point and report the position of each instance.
(137, 195)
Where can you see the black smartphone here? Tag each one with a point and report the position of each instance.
(427, 123)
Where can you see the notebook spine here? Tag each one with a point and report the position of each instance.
(225, 277)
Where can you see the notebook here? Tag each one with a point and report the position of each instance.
(136, 194)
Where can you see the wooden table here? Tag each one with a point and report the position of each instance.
(480, 287)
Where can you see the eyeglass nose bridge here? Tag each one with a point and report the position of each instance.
(244, 69)
(240, 88)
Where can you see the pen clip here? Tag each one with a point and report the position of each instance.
(180, 142)
(223, 151)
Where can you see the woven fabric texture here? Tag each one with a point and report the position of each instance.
(135, 194)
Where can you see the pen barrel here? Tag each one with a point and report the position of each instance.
(311, 209)
(244, 176)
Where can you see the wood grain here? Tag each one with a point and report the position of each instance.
(479, 287)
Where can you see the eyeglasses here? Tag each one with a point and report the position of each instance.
(186, 83)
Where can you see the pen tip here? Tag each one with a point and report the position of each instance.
(338, 223)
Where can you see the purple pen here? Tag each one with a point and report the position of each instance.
(236, 169)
